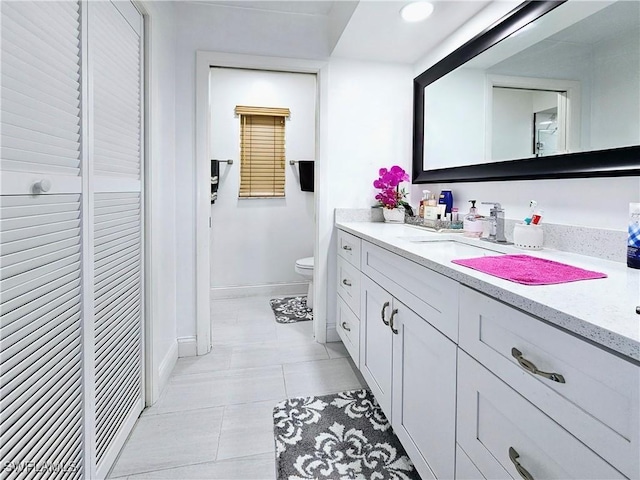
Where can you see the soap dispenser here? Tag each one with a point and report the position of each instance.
(472, 224)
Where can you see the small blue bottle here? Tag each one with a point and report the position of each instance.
(446, 198)
(633, 244)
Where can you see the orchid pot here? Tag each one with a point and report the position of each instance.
(391, 197)
(394, 215)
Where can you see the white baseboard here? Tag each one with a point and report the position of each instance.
(297, 288)
(332, 333)
(166, 367)
(187, 347)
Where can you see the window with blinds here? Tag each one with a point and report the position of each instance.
(262, 151)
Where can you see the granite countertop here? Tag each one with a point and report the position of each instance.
(601, 310)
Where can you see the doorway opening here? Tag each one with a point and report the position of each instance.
(205, 61)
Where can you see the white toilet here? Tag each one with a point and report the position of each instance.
(304, 267)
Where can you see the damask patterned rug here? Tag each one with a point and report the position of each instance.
(339, 436)
(291, 309)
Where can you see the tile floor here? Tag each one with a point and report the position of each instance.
(214, 418)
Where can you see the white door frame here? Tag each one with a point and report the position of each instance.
(204, 61)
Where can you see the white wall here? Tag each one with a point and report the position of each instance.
(160, 187)
(368, 126)
(221, 29)
(257, 241)
(593, 202)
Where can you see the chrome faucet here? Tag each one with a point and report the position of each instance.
(496, 215)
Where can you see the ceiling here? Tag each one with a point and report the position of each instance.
(310, 7)
(374, 30)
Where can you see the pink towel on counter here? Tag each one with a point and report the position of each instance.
(528, 270)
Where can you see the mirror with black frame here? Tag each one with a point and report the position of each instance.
(551, 91)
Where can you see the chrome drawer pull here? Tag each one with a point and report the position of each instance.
(530, 366)
(513, 456)
(344, 325)
(393, 314)
(346, 282)
(346, 247)
(384, 307)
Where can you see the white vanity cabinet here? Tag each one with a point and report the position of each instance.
(411, 369)
(475, 388)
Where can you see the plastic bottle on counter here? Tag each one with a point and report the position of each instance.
(472, 224)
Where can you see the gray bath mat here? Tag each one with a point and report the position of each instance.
(291, 309)
(337, 436)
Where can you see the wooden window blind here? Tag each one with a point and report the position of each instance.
(262, 151)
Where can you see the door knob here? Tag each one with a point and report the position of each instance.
(42, 186)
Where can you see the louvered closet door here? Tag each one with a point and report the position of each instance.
(41, 242)
(116, 153)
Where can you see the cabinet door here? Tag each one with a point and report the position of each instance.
(376, 342)
(424, 392)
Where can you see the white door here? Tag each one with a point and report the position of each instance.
(41, 208)
(115, 113)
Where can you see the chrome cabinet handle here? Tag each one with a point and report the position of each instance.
(513, 456)
(346, 247)
(393, 314)
(346, 282)
(344, 325)
(384, 307)
(530, 367)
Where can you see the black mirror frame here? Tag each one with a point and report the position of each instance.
(615, 162)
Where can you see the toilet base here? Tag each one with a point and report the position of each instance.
(310, 296)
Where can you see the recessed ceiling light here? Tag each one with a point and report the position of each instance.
(416, 11)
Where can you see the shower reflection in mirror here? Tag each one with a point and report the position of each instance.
(527, 122)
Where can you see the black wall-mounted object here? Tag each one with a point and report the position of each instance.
(305, 170)
(614, 162)
(215, 180)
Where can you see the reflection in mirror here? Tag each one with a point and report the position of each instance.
(546, 140)
(568, 82)
(525, 123)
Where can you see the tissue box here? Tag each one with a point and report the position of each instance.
(529, 237)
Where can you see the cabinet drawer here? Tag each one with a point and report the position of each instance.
(349, 248)
(348, 327)
(599, 401)
(432, 296)
(349, 285)
(499, 429)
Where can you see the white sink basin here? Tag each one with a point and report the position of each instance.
(458, 245)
